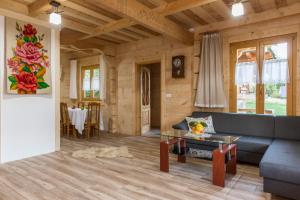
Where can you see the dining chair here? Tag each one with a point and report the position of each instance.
(66, 125)
(81, 104)
(93, 118)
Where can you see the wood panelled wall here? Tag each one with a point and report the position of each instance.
(282, 26)
(177, 95)
(176, 101)
(65, 79)
(110, 103)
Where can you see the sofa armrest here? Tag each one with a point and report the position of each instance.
(181, 126)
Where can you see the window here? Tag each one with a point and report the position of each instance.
(261, 76)
(246, 77)
(90, 82)
(275, 78)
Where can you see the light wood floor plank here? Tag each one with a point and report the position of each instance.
(58, 176)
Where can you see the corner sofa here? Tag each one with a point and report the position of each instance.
(272, 142)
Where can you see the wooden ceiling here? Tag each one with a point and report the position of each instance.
(112, 22)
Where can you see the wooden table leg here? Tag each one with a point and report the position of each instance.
(181, 154)
(231, 164)
(218, 169)
(164, 156)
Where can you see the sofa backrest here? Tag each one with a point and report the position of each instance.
(287, 127)
(241, 124)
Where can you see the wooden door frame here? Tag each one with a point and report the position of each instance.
(233, 87)
(138, 92)
(291, 98)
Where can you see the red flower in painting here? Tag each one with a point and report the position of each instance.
(29, 30)
(26, 81)
(13, 64)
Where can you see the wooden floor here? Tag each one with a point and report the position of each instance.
(60, 176)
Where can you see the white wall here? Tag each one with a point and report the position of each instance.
(28, 124)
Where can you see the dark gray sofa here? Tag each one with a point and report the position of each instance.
(280, 165)
(273, 142)
(257, 132)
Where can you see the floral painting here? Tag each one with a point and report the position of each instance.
(28, 62)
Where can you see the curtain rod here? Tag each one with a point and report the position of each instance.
(209, 32)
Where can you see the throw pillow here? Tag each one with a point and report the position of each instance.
(200, 125)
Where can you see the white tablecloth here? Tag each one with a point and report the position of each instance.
(78, 117)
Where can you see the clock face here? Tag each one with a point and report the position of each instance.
(177, 62)
(178, 67)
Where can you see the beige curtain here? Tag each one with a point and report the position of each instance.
(210, 91)
(105, 114)
(103, 74)
(73, 79)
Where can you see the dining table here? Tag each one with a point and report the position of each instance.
(78, 117)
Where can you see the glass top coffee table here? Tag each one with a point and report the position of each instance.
(226, 149)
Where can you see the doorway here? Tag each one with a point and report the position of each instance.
(150, 99)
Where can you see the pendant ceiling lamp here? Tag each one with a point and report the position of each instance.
(55, 16)
(237, 9)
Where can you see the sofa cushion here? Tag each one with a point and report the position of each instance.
(287, 127)
(281, 161)
(253, 144)
(202, 124)
(281, 188)
(181, 126)
(249, 157)
(241, 124)
(250, 144)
